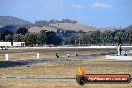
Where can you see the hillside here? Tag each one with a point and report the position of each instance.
(110, 28)
(128, 28)
(34, 29)
(63, 26)
(11, 28)
(37, 29)
(9, 20)
(73, 26)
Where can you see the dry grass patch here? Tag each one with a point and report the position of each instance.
(70, 68)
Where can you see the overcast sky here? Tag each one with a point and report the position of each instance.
(96, 13)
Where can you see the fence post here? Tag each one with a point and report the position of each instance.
(6, 57)
(37, 55)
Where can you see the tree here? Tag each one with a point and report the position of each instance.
(72, 39)
(4, 33)
(8, 38)
(30, 39)
(78, 38)
(18, 38)
(65, 40)
(105, 37)
(119, 37)
(86, 39)
(41, 37)
(94, 37)
(91, 37)
(128, 36)
(0, 37)
(50, 37)
(57, 40)
(22, 31)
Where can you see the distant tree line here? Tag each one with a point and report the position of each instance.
(46, 23)
(103, 38)
(67, 37)
(97, 37)
(31, 39)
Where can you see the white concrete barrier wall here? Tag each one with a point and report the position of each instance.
(118, 57)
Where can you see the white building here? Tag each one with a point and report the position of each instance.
(5, 44)
(18, 44)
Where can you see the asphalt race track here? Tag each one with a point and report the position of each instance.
(5, 64)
